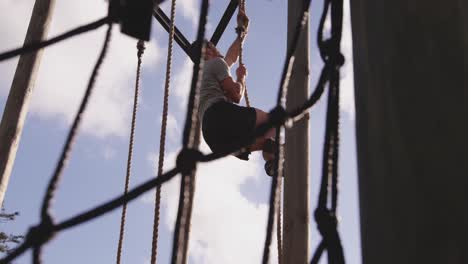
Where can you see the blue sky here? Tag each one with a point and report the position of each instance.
(231, 200)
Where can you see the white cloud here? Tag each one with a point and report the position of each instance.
(190, 10)
(108, 153)
(187, 8)
(173, 131)
(182, 81)
(66, 67)
(12, 30)
(347, 80)
(224, 222)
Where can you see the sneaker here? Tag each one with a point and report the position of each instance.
(270, 167)
(244, 155)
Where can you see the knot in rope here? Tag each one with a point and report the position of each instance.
(42, 233)
(240, 30)
(187, 160)
(331, 53)
(278, 115)
(141, 48)
(326, 223)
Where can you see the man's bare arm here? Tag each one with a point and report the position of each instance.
(234, 90)
(233, 52)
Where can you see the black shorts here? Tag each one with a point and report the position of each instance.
(225, 124)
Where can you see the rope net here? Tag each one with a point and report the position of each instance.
(189, 156)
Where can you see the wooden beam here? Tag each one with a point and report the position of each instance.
(17, 104)
(296, 179)
(411, 82)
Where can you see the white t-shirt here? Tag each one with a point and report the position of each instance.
(214, 71)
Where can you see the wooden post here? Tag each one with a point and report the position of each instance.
(411, 81)
(17, 103)
(296, 181)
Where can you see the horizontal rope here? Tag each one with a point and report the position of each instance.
(34, 46)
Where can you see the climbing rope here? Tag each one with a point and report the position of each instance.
(279, 114)
(140, 51)
(191, 197)
(326, 217)
(279, 227)
(241, 33)
(162, 141)
(189, 155)
(274, 196)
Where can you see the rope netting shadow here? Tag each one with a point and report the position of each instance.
(189, 155)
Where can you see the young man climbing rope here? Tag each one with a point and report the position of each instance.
(224, 122)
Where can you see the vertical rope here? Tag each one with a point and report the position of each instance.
(241, 34)
(326, 217)
(141, 49)
(279, 227)
(36, 256)
(284, 84)
(274, 195)
(189, 153)
(193, 178)
(162, 141)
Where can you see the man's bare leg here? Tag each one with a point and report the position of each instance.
(262, 117)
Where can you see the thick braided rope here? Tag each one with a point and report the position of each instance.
(241, 56)
(188, 157)
(274, 196)
(280, 114)
(37, 255)
(326, 218)
(52, 187)
(162, 141)
(34, 46)
(141, 49)
(193, 178)
(44, 231)
(279, 227)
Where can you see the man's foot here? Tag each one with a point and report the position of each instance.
(244, 155)
(268, 150)
(270, 168)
